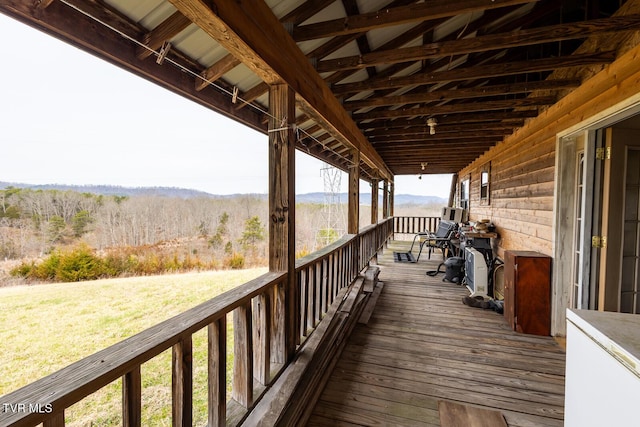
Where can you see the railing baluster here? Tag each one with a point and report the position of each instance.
(131, 398)
(262, 338)
(182, 381)
(242, 390)
(319, 280)
(56, 420)
(315, 300)
(217, 367)
(278, 348)
(304, 301)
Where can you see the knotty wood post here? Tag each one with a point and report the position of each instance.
(217, 367)
(282, 221)
(182, 383)
(132, 398)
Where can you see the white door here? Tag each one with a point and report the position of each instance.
(620, 258)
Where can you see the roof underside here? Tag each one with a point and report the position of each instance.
(416, 86)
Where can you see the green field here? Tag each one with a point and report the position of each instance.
(46, 327)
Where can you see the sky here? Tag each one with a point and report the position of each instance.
(68, 117)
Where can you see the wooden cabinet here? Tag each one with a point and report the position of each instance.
(527, 292)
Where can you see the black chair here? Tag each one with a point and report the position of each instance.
(441, 239)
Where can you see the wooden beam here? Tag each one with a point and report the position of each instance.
(250, 31)
(457, 119)
(426, 136)
(463, 93)
(477, 72)
(169, 28)
(466, 107)
(477, 128)
(433, 9)
(553, 33)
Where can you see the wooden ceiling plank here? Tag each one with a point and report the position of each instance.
(433, 9)
(464, 93)
(250, 31)
(554, 33)
(477, 72)
(169, 28)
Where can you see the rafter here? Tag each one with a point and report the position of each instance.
(169, 28)
(250, 31)
(463, 93)
(465, 107)
(442, 129)
(482, 71)
(433, 9)
(554, 33)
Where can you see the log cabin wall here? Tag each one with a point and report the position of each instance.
(523, 166)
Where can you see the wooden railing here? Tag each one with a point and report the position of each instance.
(259, 319)
(415, 224)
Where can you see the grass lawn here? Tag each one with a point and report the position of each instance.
(46, 327)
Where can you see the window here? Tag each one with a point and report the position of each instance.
(485, 177)
(464, 194)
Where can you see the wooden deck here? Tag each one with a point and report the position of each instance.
(422, 345)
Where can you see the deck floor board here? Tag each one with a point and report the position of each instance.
(423, 345)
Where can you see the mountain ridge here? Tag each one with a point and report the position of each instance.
(185, 193)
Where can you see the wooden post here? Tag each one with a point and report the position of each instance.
(452, 191)
(391, 198)
(285, 324)
(354, 194)
(374, 201)
(385, 199)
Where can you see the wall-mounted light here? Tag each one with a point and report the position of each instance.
(423, 165)
(432, 123)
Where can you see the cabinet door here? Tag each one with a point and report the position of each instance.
(533, 299)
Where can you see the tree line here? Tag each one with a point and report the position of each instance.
(216, 233)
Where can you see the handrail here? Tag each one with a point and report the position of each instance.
(415, 224)
(257, 316)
